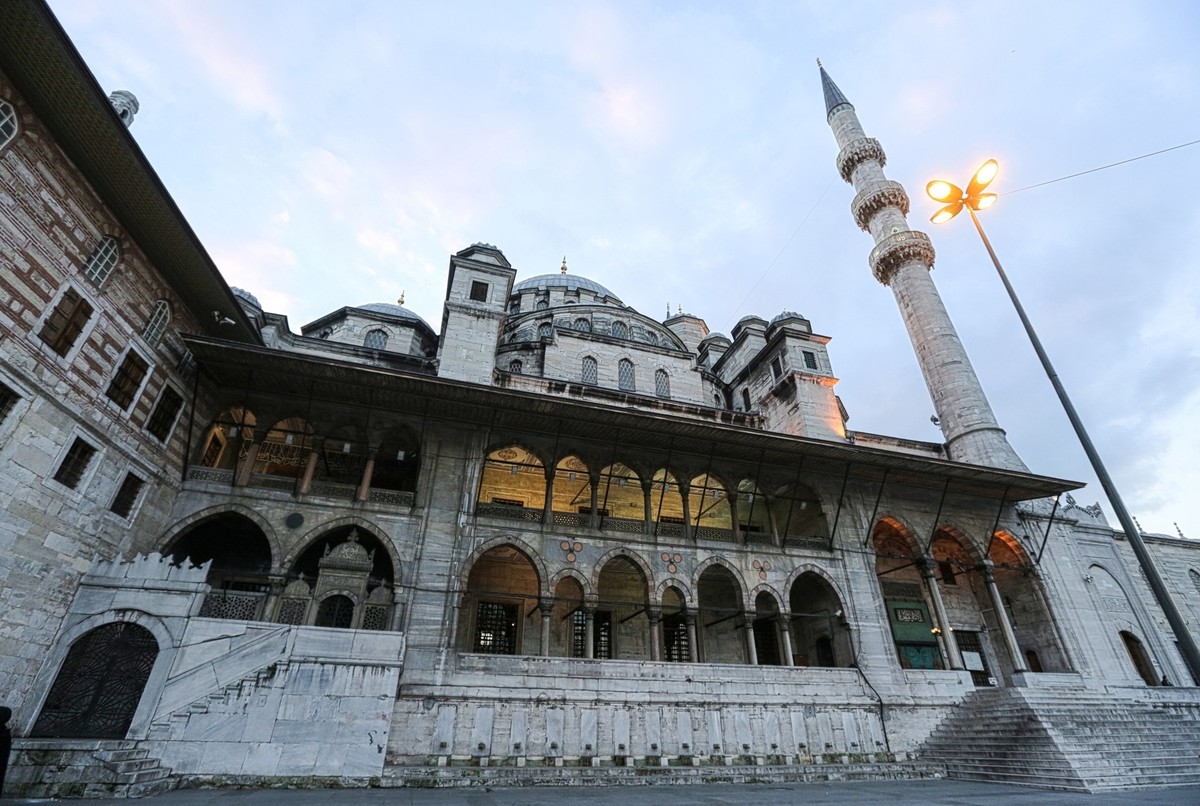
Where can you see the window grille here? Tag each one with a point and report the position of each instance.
(514, 367)
(8, 399)
(376, 340)
(127, 496)
(602, 634)
(675, 639)
(591, 371)
(496, 628)
(479, 291)
(1195, 579)
(545, 330)
(542, 305)
(579, 634)
(8, 123)
(125, 383)
(102, 262)
(63, 326)
(776, 368)
(157, 323)
(583, 325)
(662, 383)
(376, 617)
(336, 611)
(163, 416)
(810, 360)
(620, 330)
(291, 611)
(625, 378)
(746, 399)
(74, 464)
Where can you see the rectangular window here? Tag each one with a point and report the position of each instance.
(578, 634)
(947, 569)
(810, 360)
(64, 324)
(479, 291)
(129, 377)
(74, 464)
(163, 416)
(776, 368)
(602, 634)
(8, 399)
(675, 639)
(127, 496)
(496, 628)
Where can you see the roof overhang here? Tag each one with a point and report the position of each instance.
(565, 418)
(39, 58)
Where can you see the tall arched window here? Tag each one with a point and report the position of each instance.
(583, 325)
(376, 340)
(625, 379)
(8, 123)
(591, 372)
(620, 330)
(662, 383)
(103, 260)
(157, 323)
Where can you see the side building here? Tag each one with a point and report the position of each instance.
(552, 535)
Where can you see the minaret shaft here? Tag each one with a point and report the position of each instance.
(901, 260)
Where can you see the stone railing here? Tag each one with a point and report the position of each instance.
(629, 526)
(267, 482)
(510, 512)
(332, 489)
(714, 533)
(235, 605)
(400, 498)
(571, 519)
(210, 474)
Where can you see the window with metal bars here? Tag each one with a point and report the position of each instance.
(590, 373)
(8, 399)
(662, 383)
(74, 464)
(496, 628)
(810, 359)
(128, 379)
(625, 377)
(163, 417)
(103, 260)
(8, 123)
(579, 634)
(479, 291)
(545, 330)
(376, 340)
(583, 325)
(126, 496)
(514, 367)
(157, 323)
(602, 635)
(620, 330)
(336, 611)
(675, 639)
(64, 324)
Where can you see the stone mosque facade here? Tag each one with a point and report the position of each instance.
(553, 539)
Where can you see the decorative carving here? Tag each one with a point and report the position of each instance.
(571, 549)
(672, 561)
(762, 567)
(900, 249)
(874, 197)
(856, 153)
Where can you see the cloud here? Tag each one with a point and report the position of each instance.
(264, 268)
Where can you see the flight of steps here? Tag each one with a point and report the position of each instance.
(1076, 739)
(171, 725)
(135, 773)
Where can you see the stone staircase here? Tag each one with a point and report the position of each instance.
(171, 725)
(1071, 738)
(135, 773)
(86, 768)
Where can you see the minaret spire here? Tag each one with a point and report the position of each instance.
(901, 260)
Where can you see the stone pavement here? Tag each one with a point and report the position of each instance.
(863, 793)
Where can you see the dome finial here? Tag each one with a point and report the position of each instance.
(564, 265)
(401, 300)
(819, 62)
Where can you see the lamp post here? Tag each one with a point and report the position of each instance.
(973, 199)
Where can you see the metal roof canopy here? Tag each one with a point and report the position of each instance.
(277, 373)
(39, 58)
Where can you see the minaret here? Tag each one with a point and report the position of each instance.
(901, 259)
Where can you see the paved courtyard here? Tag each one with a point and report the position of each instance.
(893, 793)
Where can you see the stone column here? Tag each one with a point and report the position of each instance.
(247, 466)
(398, 611)
(589, 631)
(364, 487)
(648, 513)
(548, 505)
(594, 483)
(689, 619)
(310, 467)
(655, 617)
(1010, 638)
(547, 608)
(927, 566)
(751, 649)
(685, 495)
(276, 582)
(785, 639)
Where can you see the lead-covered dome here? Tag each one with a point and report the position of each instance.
(392, 309)
(570, 282)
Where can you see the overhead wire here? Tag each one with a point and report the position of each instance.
(1101, 168)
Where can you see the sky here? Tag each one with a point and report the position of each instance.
(333, 154)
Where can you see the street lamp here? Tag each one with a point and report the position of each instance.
(955, 200)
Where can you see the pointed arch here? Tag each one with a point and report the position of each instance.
(513, 483)
(171, 535)
(322, 530)
(539, 566)
(633, 557)
(704, 565)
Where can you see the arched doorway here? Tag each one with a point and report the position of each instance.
(818, 623)
(766, 630)
(1141, 660)
(500, 614)
(721, 617)
(621, 627)
(99, 686)
(344, 579)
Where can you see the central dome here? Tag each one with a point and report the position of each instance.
(570, 282)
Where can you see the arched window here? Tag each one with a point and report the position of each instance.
(336, 611)
(541, 305)
(376, 340)
(625, 379)
(8, 123)
(583, 325)
(651, 337)
(157, 323)
(99, 686)
(590, 373)
(1195, 579)
(545, 330)
(514, 367)
(718, 401)
(620, 330)
(103, 260)
(662, 383)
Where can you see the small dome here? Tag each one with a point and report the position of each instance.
(715, 336)
(786, 315)
(570, 282)
(246, 296)
(392, 309)
(750, 318)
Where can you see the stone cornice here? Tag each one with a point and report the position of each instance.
(874, 197)
(856, 153)
(899, 249)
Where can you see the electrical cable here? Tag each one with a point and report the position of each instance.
(1101, 168)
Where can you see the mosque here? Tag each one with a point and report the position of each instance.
(552, 540)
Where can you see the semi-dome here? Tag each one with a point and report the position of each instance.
(392, 309)
(570, 282)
